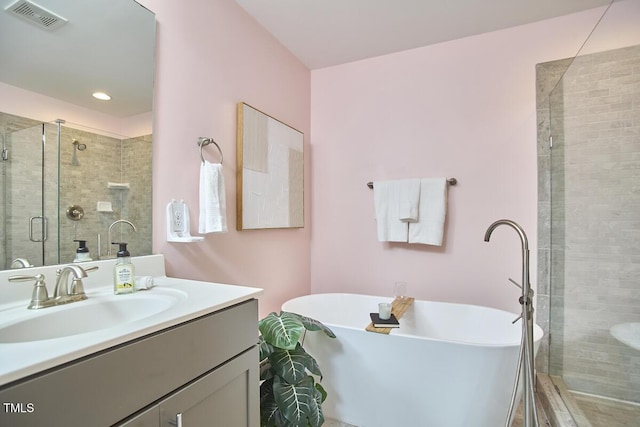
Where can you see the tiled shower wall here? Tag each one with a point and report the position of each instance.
(83, 182)
(589, 227)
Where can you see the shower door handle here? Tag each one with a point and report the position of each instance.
(44, 228)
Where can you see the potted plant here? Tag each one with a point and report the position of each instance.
(290, 395)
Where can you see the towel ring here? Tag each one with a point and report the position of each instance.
(204, 141)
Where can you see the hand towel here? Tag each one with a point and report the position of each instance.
(409, 197)
(213, 207)
(386, 197)
(432, 208)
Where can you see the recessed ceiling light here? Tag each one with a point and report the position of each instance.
(101, 96)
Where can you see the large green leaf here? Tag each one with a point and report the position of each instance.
(316, 417)
(292, 365)
(264, 347)
(295, 401)
(266, 390)
(282, 330)
(270, 415)
(314, 325)
(322, 391)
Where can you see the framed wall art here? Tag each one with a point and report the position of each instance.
(270, 172)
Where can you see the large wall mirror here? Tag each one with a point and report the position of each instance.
(66, 50)
(270, 172)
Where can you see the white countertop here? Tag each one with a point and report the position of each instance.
(20, 359)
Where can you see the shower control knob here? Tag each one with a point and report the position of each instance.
(75, 213)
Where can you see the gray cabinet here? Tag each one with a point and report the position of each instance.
(222, 398)
(202, 373)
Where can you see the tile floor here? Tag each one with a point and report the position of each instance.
(608, 413)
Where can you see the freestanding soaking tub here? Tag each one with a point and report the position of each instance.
(448, 365)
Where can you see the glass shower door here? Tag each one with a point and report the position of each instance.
(30, 190)
(595, 237)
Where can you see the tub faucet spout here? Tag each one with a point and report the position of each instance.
(518, 228)
(525, 247)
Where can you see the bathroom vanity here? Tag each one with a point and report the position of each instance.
(194, 362)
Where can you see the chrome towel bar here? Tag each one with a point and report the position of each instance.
(450, 181)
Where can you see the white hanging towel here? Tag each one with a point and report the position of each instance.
(390, 199)
(429, 229)
(213, 206)
(409, 199)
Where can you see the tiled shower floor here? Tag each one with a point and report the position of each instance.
(608, 413)
(570, 409)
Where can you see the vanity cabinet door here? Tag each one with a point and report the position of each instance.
(227, 397)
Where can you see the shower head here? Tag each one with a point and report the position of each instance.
(79, 146)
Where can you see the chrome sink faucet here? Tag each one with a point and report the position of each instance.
(75, 291)
(120, 221)
(63, 292)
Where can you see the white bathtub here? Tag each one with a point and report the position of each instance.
(448, 365)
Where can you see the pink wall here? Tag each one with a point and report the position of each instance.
(463, 109)
(210, 56)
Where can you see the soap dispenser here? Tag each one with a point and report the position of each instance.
(123, 271)
(82, 253)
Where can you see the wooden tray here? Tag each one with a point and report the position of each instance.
(398, 307)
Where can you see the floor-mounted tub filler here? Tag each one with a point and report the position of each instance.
(527, 352)
(448, 364)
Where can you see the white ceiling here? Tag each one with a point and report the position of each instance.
(322, 33)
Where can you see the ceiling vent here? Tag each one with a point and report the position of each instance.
(36, 14)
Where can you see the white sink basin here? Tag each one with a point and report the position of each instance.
(93, 314)
(627, 333)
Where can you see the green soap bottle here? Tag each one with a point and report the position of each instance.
(123, 272)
